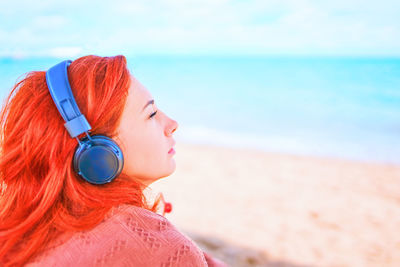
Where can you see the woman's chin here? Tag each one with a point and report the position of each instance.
(171, 169)
(173, 163)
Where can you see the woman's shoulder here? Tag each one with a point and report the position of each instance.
(135, 218)
(144, 225)
(156, 235)
(129, 236)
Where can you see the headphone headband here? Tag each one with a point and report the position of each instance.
(97, 159)
(60, 90)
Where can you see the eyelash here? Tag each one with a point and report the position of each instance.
(153, 114)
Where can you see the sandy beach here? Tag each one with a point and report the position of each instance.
(253, 208)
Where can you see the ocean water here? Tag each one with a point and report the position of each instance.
(335, 107)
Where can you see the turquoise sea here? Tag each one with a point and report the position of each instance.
(328, 106)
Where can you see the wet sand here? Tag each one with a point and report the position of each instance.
(252, 208)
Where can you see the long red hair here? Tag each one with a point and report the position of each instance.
(41, 196)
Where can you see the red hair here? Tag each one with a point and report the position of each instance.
(41, 196)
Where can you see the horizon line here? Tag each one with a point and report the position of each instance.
(213, 54)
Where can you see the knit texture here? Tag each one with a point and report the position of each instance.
(128, 236)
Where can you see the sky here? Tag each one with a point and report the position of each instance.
(261, 27)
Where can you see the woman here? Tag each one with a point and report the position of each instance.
(50, 215)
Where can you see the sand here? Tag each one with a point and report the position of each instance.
(253, 208)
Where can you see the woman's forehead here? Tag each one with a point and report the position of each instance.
(138, 95)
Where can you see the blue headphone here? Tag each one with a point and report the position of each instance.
(97, 159)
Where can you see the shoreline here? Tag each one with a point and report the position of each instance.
(318, 145)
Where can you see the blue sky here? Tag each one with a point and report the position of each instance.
(288, 27)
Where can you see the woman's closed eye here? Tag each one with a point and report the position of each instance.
(154, 113)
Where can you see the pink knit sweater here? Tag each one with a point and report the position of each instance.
(129, 236)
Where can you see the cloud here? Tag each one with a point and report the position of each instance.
(63, 52)
(52, 22)
(208, 26)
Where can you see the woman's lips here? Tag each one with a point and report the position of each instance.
(171, 151)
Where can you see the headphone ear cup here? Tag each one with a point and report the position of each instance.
(98, 160)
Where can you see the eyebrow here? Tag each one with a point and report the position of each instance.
(148, 103)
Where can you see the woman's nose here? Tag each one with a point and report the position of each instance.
(172, 126)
